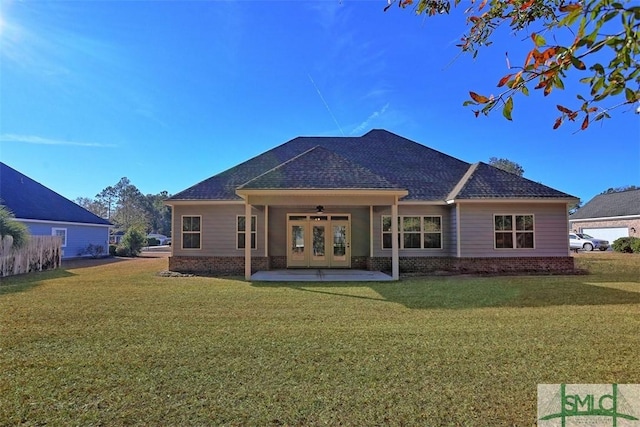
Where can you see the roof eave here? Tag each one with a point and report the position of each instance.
(515, 200)
(245, 192)
(604, 218)
(173, 202)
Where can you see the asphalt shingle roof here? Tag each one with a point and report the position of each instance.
(488, 182)
(28, 199)
(302, 172)
(378, 159)
(622, 203)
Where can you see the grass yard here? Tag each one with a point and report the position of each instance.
(116, 344)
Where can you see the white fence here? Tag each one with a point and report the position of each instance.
(39, 253)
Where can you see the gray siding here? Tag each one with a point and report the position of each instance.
(219, 235)
(360, 231)
(219, 229)
(453, 231)
(477, 229)
(278, 227)
(448, 244)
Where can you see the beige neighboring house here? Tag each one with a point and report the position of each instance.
(609, 216)
(377, 202)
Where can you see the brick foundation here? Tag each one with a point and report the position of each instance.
(408, 265)
(278, 262)
(216, 265)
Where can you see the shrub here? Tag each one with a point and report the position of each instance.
(152, 241)
(95, 251)
(626, 244)
(112, 250)
(10, 227)
(635, 245)
(132, 242)
(122, 250)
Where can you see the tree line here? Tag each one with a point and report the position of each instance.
(127, 207)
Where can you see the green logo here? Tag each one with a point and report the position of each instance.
(616, 405)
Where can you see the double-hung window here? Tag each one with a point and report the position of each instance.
(62, 233)
(513, 231)
(414, 232)
(192, 232)
(241, 229)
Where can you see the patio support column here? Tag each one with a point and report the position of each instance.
(371, 231)
(266, 231)
(247, 240)
(395, 263)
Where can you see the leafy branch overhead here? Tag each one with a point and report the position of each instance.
(602, 45)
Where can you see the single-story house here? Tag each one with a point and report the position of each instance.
(116, 237)
(374, 202)
(609, 216)
(47, 213)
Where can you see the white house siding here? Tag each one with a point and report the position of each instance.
(448, 240)
(218, 224)
(477, 229)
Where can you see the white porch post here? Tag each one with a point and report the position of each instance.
(371, 231)
(395, 263)
(247, 239)
(266, 231)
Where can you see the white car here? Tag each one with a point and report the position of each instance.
(586, 242)
(160, 238)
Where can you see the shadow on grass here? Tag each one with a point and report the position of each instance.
(465, 293)
(25, 282)
(91, 262)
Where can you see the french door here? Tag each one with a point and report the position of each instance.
(318, 241)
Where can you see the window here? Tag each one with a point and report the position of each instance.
(62, 233)
(414, 232)
(386, 232)
(410, 232)
(241, 229)
(513, 231)
(432, 232)
(191, 232)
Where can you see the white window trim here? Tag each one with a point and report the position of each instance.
(64, 240)
(401, 232)
(255, 232)
(514, 231)
(182, 232)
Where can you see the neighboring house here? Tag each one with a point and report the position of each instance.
(376, 202)
(609, 216)
(116, 237)
(45, 212)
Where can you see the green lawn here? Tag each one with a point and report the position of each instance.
(115, 344)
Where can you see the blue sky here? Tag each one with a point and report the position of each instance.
(168, 93)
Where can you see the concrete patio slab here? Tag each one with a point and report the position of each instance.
(320, 275)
